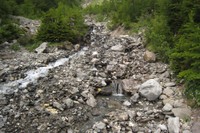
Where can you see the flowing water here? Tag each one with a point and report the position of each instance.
(33, 75)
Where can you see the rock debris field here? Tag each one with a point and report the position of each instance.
(111, 84)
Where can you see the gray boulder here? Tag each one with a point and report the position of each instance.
(91, 100)
(167, 107)
(118, 47)
(135, 98)
(151, 90)
(99, 125)
(42, 48)
(173, 125)
(69, 102)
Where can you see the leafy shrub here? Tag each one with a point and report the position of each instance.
(62, 23)
(8, 32)
(158, 37)
(185, 59)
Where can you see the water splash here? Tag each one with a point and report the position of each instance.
(117, 86)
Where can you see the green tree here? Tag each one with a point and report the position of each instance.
(62, 23)
(185, 59)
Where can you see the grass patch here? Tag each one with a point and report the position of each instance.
(32, 47)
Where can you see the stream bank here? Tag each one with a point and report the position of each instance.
(76, 96)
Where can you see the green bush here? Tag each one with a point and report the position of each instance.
(159, 37)
(185, 59)
(8, 32)
(62, 23)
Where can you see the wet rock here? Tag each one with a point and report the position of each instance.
(129, 86)
(182, 113)
(135, 98)
(41, 48)
(69, 102)
(149, 56)
(118, 47)
(151, 89)
(173, 125)
(105, 91)
(168, 107)
(91, 101)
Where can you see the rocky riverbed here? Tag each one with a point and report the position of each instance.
(111, 84)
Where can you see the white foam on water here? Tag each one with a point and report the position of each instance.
(118, 95)
(35, 74)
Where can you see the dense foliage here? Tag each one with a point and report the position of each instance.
(172, 29)
(61, 19)
(8, 32)
(62, 23)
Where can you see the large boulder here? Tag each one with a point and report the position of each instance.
(151, 89)
(42, 48)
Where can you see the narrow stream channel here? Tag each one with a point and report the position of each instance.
(33, 75)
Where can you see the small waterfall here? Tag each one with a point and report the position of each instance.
(35, 74)
(117, 88)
